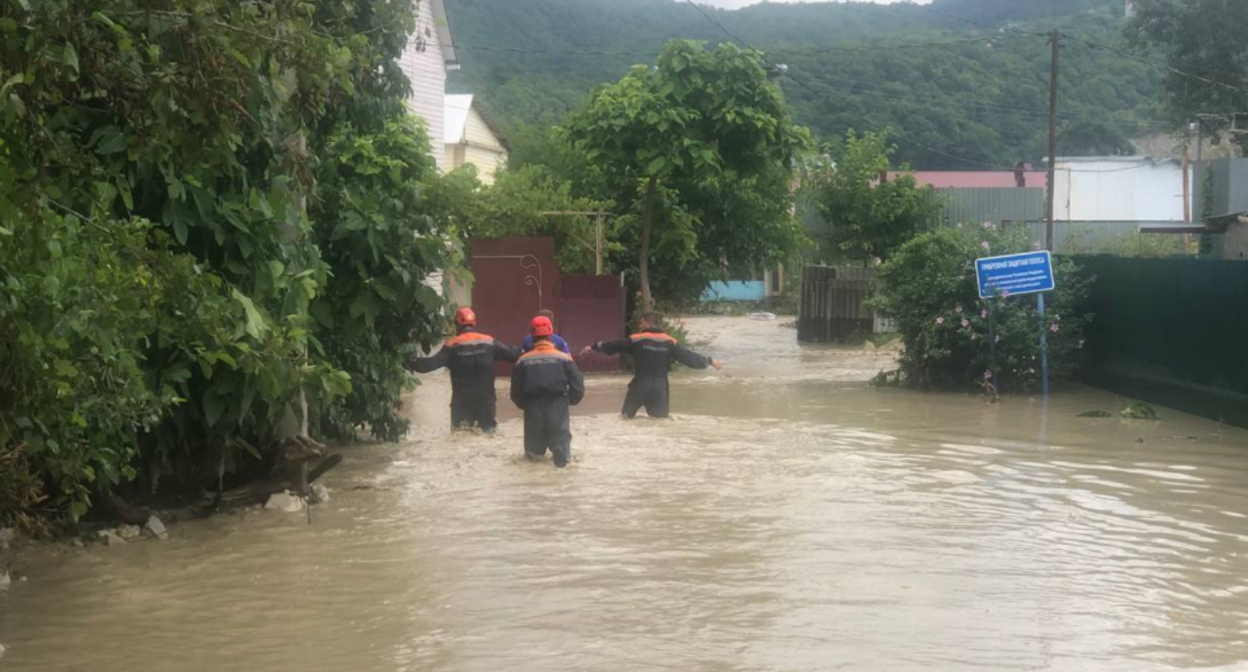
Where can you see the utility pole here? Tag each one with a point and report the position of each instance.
(1056, 40)
(1187, 186)
(1198, 208)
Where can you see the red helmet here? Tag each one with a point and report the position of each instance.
(464, 317)
(541, 326)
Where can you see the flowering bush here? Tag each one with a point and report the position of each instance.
(950, 334)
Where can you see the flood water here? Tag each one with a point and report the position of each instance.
(790, 518)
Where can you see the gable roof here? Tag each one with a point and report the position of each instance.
(457, 109)
(443, 26)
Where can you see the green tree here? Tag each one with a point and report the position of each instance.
(697, 116)
(153, 251)
(1203, 42)
(864, 215)
(520, 203)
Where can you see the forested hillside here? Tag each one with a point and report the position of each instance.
(980, 93)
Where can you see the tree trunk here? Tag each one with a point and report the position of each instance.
(647, 221)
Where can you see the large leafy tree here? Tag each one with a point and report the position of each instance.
(157, 271)
(1203, 42)
(698, 120)
(863, 214)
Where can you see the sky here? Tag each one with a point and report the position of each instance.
(736, 4)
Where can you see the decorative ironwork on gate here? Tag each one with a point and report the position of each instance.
(527, 262)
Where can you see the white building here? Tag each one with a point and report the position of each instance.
(1118, 189)
(429, 55)
(472, 138)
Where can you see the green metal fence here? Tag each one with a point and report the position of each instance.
(1172, 332)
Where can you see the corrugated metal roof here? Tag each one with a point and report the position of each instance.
(975, 206)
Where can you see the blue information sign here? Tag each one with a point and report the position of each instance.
(1027, 273)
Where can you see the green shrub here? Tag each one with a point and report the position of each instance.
(948, 332)
(158, 277)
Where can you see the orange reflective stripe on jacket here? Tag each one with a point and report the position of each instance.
(468, 337)
(544, 349)
(653, 336)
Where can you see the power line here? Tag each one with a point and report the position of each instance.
(802, 84)
(872, 124)
(1127, 55)
(895, 47)
(982, 106)
(791, 51)
(948, 104)
(997, 107)
(981, 24)
(554, 52)
(1095, 45)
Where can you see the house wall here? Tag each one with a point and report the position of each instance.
(425, 66)
(1235, 242)
(1230, 187)
(487, 161)
(479, 146)
(1118, 190)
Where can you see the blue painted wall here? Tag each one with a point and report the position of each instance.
(736, 290)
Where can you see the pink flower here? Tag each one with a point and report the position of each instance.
(965, 323)
(1054, 327)
(940, 320)
(1005, 293)
(989, 225)
(987, 375)
(983, 314)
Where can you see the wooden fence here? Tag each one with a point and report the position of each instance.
(833, 304)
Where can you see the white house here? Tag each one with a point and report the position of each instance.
(1118, 189)
(429, 55)
(472, 137)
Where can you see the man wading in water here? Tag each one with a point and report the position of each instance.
(470, 356)
(653, 353)
(544, 383)
(554, 338)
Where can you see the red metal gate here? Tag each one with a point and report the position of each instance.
(517, 277)
(593, 310)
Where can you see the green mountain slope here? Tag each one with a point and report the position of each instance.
(849, 66)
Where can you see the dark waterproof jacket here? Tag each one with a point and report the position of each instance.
(470, 356)
(653, 353)
(545, 373)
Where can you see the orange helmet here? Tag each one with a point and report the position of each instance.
(464, 317)
(541, 326)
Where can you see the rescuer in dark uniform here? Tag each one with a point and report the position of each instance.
(653, 353)
(544, 384)
(470, 356)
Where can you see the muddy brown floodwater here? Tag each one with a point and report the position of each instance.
(790, 518)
